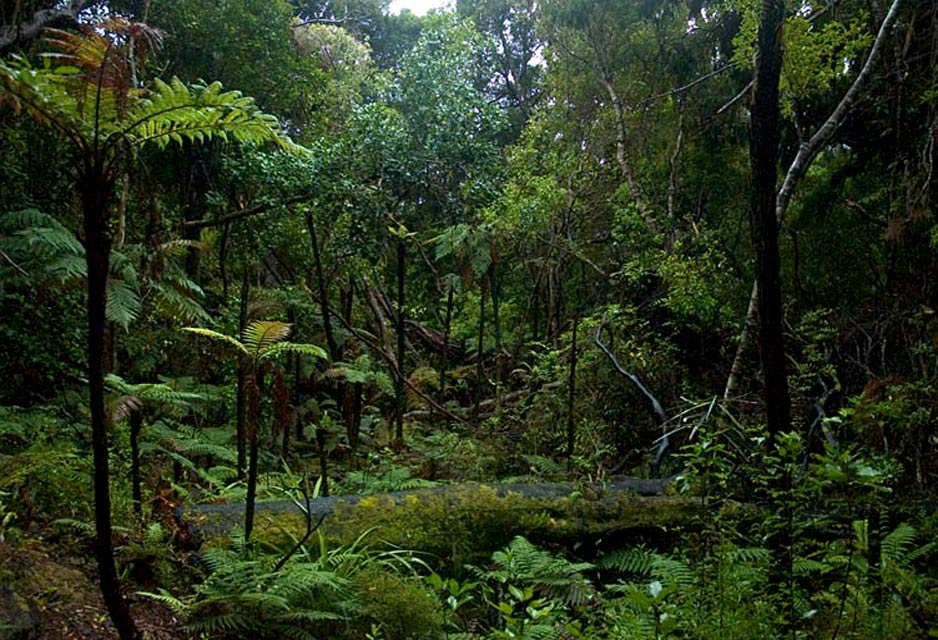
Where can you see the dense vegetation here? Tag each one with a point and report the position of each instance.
(553, 245)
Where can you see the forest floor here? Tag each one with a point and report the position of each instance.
(49, 591)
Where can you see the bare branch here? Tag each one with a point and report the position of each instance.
(659, 410)
(809, 150)
(247, 213)
(12, 34)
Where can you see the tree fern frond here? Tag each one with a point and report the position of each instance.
(123, 303)
(260, 335)
(68, 267)
(173, 112)
(280, 348)
(54, 237)
(752, 555)
(899, 546)
(215, 335)
(178, 300)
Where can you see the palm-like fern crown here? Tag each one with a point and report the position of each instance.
(262, 340)
(86, 89)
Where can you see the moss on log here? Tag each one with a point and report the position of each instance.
(458, 522)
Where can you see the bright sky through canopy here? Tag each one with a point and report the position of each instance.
(419, 7)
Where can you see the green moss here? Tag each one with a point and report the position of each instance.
(399, 607)
(467, 522)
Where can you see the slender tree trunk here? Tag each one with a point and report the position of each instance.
(194, 211)
(571, 391)
(444, 361)
(242, 377)
(321, 286)
(223, 258)
(496, 318)
(399, 387)
(357, 390)
(252, 414)
(321, 436)
(136, 424)
(96, 194)
(763, 152)
(480, 351)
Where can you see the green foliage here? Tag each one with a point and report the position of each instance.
(817, 52)
(43, 464)
(381, 481)
(400, 608)
(262, 340)
(245, 597)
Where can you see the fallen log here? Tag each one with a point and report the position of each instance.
(459, 522)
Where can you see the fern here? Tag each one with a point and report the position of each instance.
(262, 334)
(557, 578)
(246, 598)
(636, 561)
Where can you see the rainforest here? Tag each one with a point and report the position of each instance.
(533, 319)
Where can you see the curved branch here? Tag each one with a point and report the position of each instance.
(659, 410)
(11, 34)
(809, 149)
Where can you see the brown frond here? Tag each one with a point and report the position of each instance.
(109, 55)
(122, 406)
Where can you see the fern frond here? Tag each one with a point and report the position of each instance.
(177, 299)
(806, 566)
(753, 555)
(215, 335)
(280, 348)
(123, 303)
(897, 545)
(178, 607)
(173, 112)
(635, 560)
(260, 335)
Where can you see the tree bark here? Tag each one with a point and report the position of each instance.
(763, 153)
(444, 361)
(26, 30)
(399, 386)
(96, 194)
(241, 406)
(321, 287)
(480, 347)
(136, 424)
(571, 392)
(252, 414)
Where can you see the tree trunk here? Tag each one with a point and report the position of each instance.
(96, 194)
(763, 152)
(399, 383)
(136, 424)
(321, 286)
(355, 428)
(496, 318)
(480, 350)
(807, 151)
(242, 377)
(444, 361)
(321, 437)
(252, 415)
(571, 392)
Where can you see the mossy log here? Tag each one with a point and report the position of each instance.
(459, 522)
